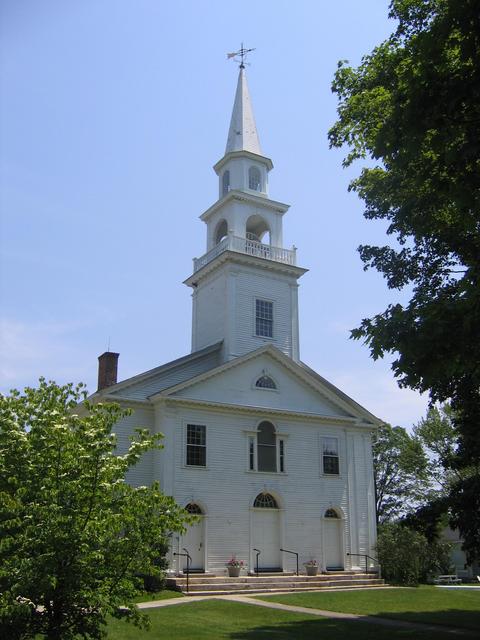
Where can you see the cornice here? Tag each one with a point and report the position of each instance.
(217, 167)
(244, 196)
(244, 259)
(259, 411)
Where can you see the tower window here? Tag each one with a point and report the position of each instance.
(263, 318)
(196, 445)
(225, 182)
(254, 179)
(330, 456)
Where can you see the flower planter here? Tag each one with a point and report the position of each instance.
(234, 572)
(311, 571)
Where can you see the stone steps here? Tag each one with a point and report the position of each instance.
(224, 585)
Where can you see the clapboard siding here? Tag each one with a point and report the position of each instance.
(252, 284)
(238, 385)
(209, 312)
(227, 490)
(142, 473)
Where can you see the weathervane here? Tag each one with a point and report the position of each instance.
(240, 55)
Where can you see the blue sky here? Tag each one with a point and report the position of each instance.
(112, 115)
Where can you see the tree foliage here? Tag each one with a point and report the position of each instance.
(401, 478)
(407, 558)
(413, 107)
(73, 534)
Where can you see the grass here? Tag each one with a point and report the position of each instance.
(165, 594)
(428, 605)
(221, 620)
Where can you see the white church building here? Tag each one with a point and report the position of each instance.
(269, 454)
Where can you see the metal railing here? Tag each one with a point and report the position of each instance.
(256, 560)
(189, 559)
(293, 553)
(367, 557)
(248, 247)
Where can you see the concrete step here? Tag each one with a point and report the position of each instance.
(289, 586)
(258, 591)
(264, 579)
(277, 583)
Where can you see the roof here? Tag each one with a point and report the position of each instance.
(242, 135)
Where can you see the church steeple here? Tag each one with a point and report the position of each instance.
(245, 285)
(243, 135)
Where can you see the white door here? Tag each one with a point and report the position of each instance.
(332, 528)
(266, 538)
(193, 542)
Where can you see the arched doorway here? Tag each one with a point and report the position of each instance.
(333, 540)
(193, 540)
(266, 532)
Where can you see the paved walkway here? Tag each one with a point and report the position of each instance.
(336, 615)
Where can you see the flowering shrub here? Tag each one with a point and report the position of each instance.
(233, 562)
(311, 563)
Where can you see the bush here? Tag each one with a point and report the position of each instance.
(407, 557)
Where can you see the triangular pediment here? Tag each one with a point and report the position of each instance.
(298, 389)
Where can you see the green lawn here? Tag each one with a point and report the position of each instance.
(430, 605)
(166, 594)
(221, 620)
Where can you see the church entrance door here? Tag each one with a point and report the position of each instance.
(193, 541)
(333, 535)
(266, 533)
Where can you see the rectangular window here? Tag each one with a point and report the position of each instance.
(251, 454)
(196, 445)
(263, 318)
(281, 455)
(330, 456)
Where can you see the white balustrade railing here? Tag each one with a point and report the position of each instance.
(248, 247)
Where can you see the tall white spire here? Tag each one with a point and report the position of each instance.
(242, 135)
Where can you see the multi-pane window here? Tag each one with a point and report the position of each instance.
(265, 501)
(281, 455)
(251, 454)
(267, 448)
(265, 382)
(263, 318)
(196, 445)
(330, 456)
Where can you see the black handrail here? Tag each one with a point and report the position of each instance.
(293, 553)
(256, 561)
(366, 556)
(189, 559)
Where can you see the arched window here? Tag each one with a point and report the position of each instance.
(265, 501)
(331, 513)
(194, 509)
(225, 182)
(267, 447)
(254, 179)
(221, 231)
(265, 382)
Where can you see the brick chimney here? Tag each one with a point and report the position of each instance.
(107, 369)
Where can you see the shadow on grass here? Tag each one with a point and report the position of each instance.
(333, 630)
(453, 618)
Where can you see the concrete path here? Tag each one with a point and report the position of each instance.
(336, 615)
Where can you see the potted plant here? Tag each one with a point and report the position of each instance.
(311, 567)
(234, 567)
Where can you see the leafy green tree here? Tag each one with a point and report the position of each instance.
(406, 557)
(400, 467)
(413, 108)
(73, 534)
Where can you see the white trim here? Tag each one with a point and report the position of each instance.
(185, 424)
